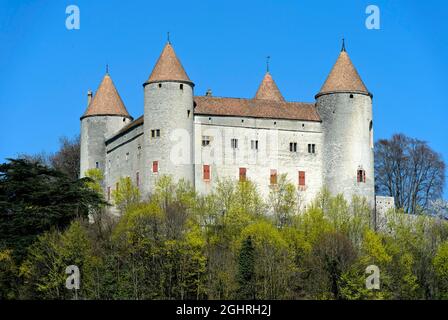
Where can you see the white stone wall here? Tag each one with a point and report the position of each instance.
(169, 109)
(274, 137)
(94, 131)
(348, 144)
(124, 158)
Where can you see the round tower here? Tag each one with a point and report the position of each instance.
(345, 107)
(168, 120)
(105, 115)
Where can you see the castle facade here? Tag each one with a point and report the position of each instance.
(205, 138)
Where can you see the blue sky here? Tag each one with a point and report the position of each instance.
(46, 70)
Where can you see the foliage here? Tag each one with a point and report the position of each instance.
(229, 244)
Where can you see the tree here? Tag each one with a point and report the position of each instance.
(283, 200)
(246, 271)
(126, 195)
(410, 171)
(67, 158)
(34, 199)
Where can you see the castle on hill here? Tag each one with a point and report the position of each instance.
(205, 138)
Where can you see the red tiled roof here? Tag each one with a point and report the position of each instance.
(256, 108)
(268, 90)
(106, 101)
(343, 77)
(168, 67)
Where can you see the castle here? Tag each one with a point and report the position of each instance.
(205, 138)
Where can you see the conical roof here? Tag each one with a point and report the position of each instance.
(168, 67)
(106, 101)
(343, 77)
(268, 90)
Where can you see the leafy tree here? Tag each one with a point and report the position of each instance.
(126, 195)
(283, 200)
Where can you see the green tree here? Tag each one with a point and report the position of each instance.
(126, 195)
(246, 271)
(34, 199)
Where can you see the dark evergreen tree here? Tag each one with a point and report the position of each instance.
(246, 271)
(35, 199)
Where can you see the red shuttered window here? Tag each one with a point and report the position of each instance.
(242, 174)
(301, 178)
(273, 177)
(206, 172)
(155, 166)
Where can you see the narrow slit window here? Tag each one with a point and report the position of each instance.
(301, 178)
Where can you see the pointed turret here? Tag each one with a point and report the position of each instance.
(343, 77)
(168, 67)
(268, 90)
(106, 101)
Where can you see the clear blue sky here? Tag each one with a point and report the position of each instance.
(46, 70)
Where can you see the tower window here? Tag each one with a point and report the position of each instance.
(155, 166)
(160, 85)
(97, 164)
(361, 176)
(311, 148)
(351, 96)
(254, 144)
(206, 172)
(127, 156)
(205, 141)
(293, 146)
(234, 143)
(273, 178)
(188, 113)
(155, 133)
(243, 174)
(301, 178)
(181, 86)
(371, 133)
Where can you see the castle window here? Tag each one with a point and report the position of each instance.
(97, 164)
(155, 133)
(293, 146)
(361, 176)
(155, 166)
(124, 119)
(234, 143)
(181, 86)
(371, 133)
(254, 144)
(139, 151)
(206, 172)
(311, 148)
(160, 85)
(127, 156)
(273, 178)
(301, 178)
(242, 120)
(108, 193)
(137, 178)
(243, 174)
(351, 96)
(205, 141)
(188, 113)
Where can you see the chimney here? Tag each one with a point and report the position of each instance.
(208, 93)
(89, 96)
